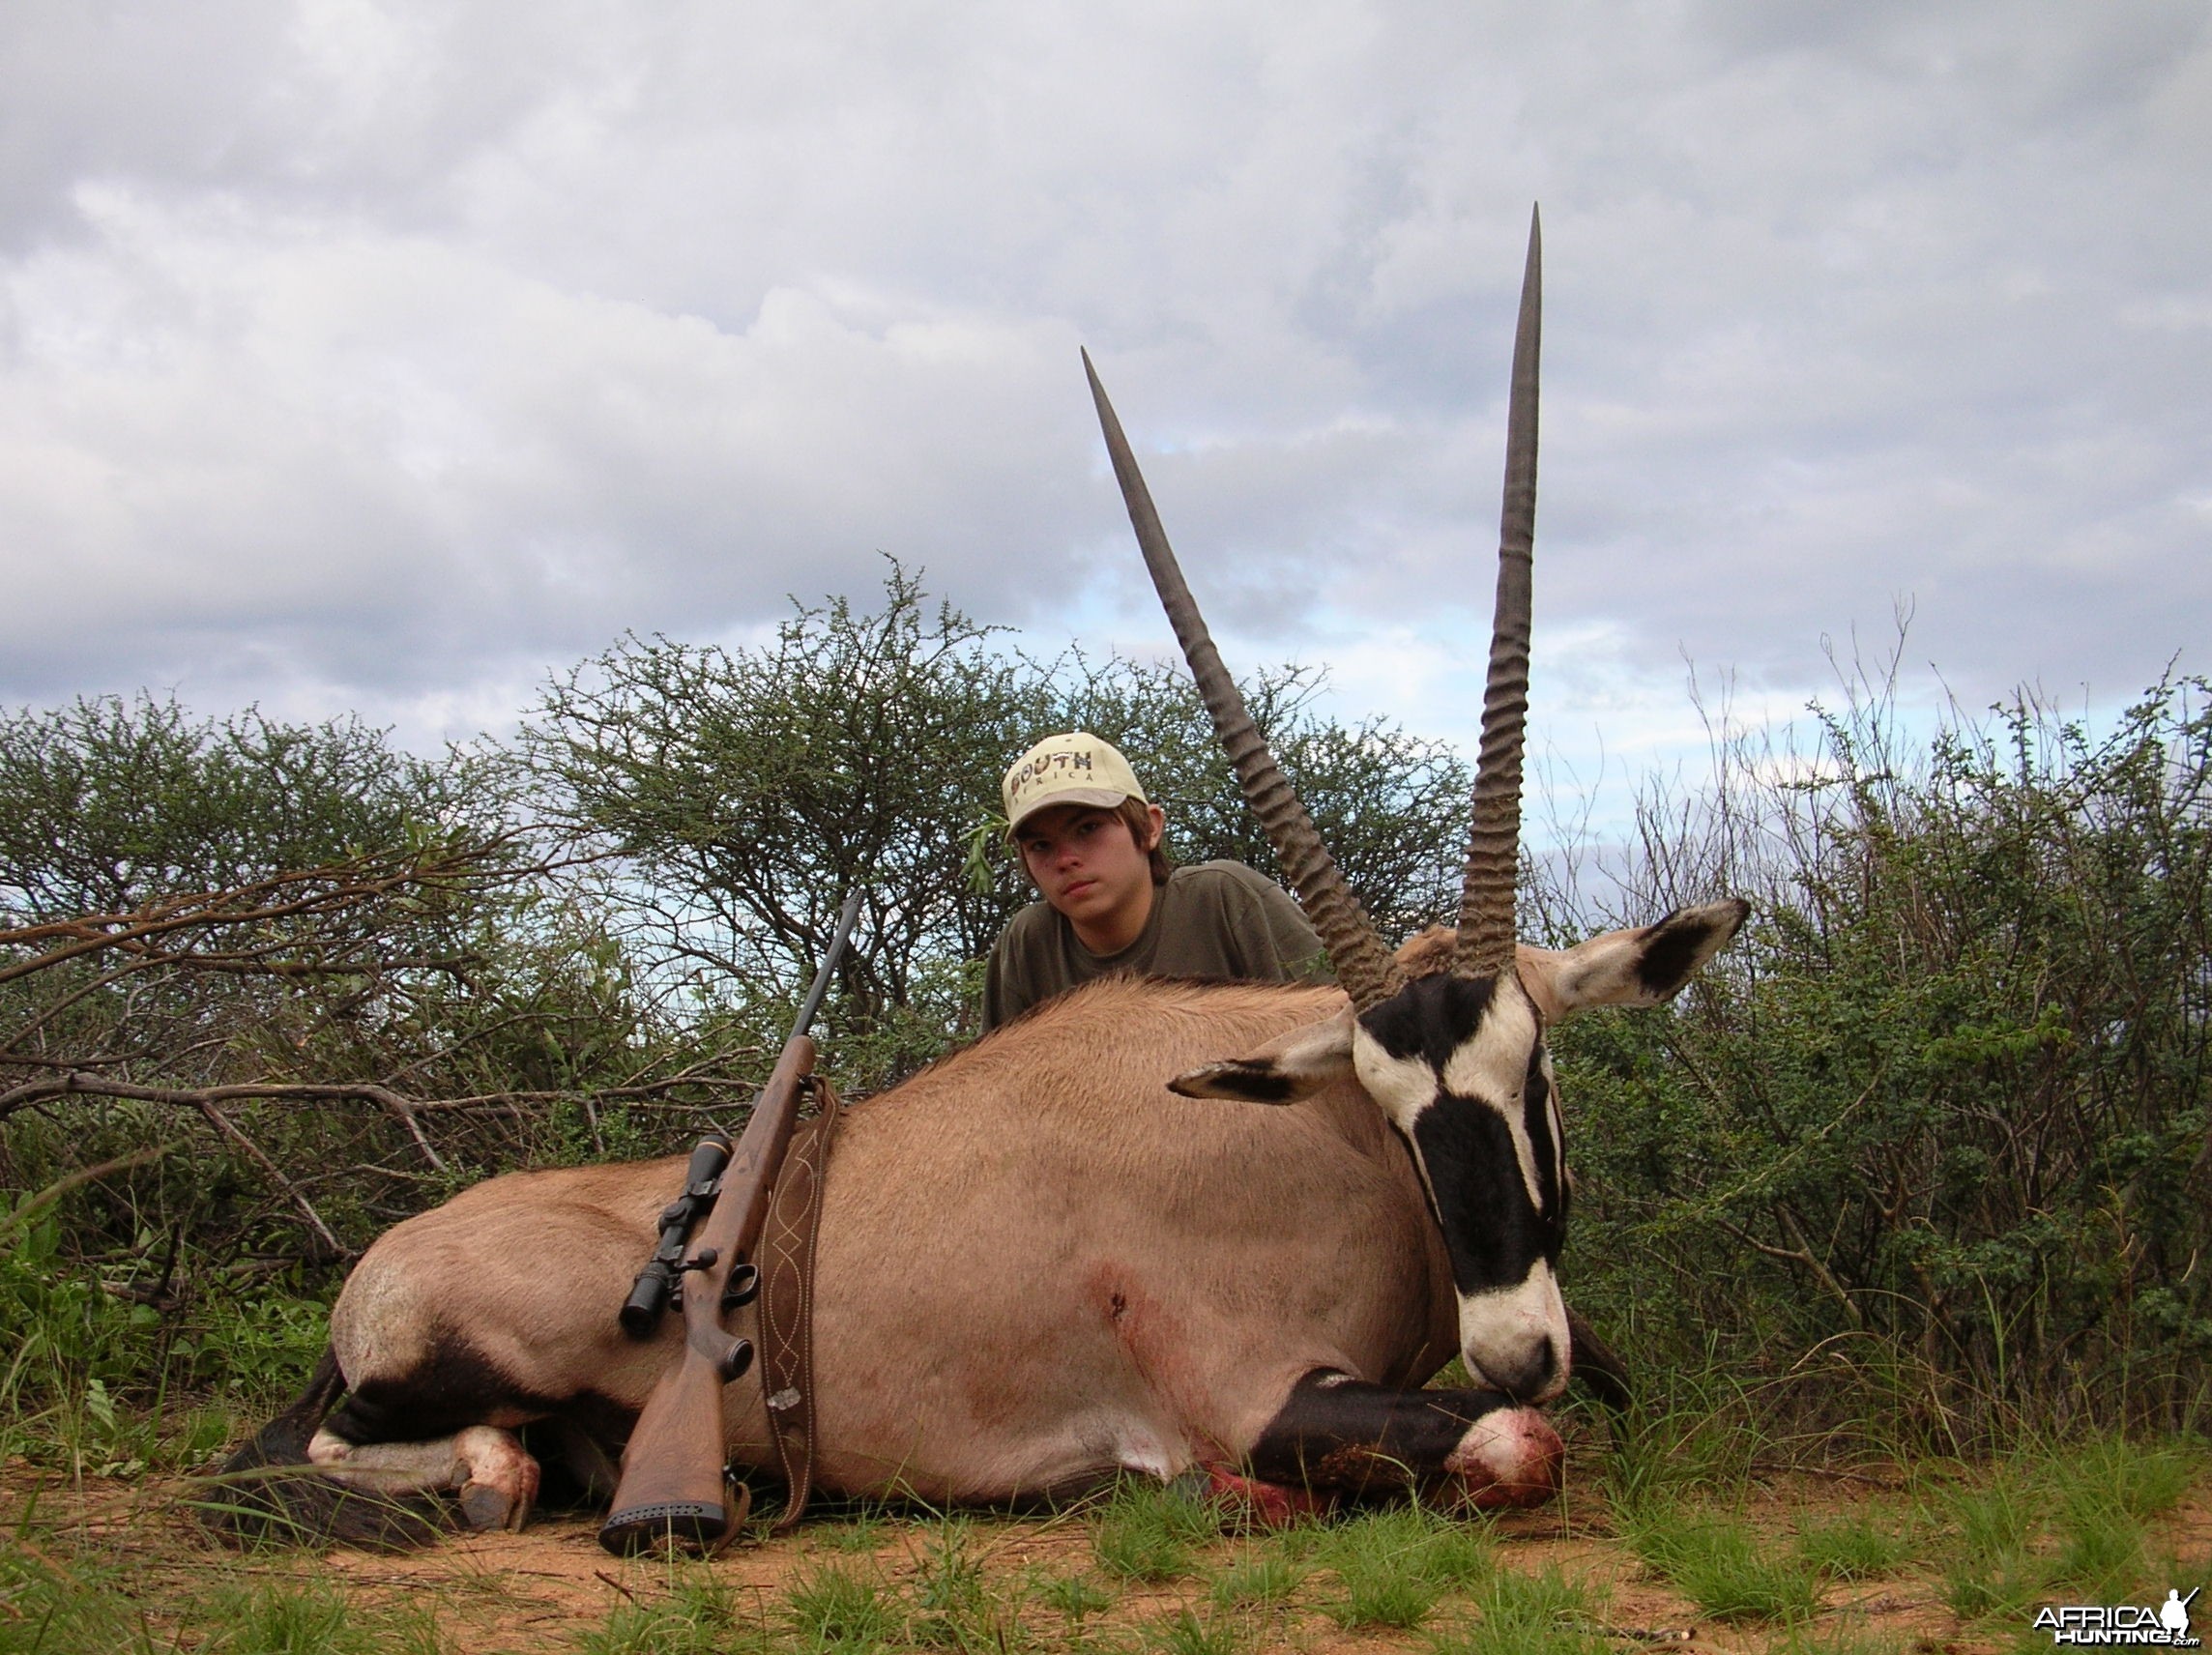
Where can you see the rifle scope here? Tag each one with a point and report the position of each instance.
(702, 1183)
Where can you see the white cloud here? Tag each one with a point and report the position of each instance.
(387, 355)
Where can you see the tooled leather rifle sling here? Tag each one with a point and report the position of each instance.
(787, 1302)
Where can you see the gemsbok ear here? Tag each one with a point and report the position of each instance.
(1640, 966)
(1287, 1068)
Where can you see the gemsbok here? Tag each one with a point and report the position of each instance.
(1043, 1261)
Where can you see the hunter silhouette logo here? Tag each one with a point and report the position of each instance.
(2107, 1626)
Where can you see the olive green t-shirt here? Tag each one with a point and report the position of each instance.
(1215, 920)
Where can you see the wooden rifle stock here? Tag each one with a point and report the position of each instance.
(675, 1485)
(672, 1483)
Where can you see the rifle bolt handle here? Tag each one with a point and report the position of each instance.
(704, 1259)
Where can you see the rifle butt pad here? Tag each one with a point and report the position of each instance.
(701, 1526)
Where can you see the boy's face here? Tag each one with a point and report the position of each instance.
(1088, 866)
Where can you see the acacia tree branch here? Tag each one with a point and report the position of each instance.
(405, 1110)
(331, 887)
(203, 910)
(207, 1098)
(1800, 1256)
(230, 1129)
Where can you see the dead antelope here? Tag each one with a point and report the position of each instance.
(1042, 1263)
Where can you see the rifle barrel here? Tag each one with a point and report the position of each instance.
(813, 1002)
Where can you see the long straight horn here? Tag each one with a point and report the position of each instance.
(1364, 965)
(1486, 937)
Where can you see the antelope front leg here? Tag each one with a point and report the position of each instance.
(1337, 1436)
(492, 1472)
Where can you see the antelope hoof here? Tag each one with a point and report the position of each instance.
(486, 1506)
(502, 1479)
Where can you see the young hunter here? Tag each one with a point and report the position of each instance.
(1090, 841)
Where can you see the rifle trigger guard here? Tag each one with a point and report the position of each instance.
(741, 1288)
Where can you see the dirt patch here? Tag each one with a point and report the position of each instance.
(544, 1588)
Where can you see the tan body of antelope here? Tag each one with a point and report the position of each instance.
(1149, 1227)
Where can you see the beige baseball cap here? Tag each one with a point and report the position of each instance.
(1074, 769)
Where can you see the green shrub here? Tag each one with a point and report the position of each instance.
(1924, 1146)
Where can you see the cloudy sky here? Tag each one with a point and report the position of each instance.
(383, 356)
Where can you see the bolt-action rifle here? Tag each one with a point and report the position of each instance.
(674, 1483)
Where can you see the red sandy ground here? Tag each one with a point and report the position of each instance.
(539, 1589)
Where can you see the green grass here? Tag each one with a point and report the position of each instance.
(1716, 1562)
(1802, 1639)
(52, 1603)
(696, 1616)
(1527, 1615)
(863, 1531)
(1694, 1433)
(1077, 1597)
(1392, 1565)
(1857, 1548)
(314, 1617)
(839, 1607)
(2067, 1519)
(1258, 1581)
(1187, 1633)
(2138, 1478)
(1147, 1531)
(45, 1607)
(1381, 1595)
(952, 1606)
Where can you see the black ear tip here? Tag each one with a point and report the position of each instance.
(1677, 946)
(1726, 917)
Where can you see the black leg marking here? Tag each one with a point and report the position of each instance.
(451, 1390)
(254, 1498)
(1345, 1437)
